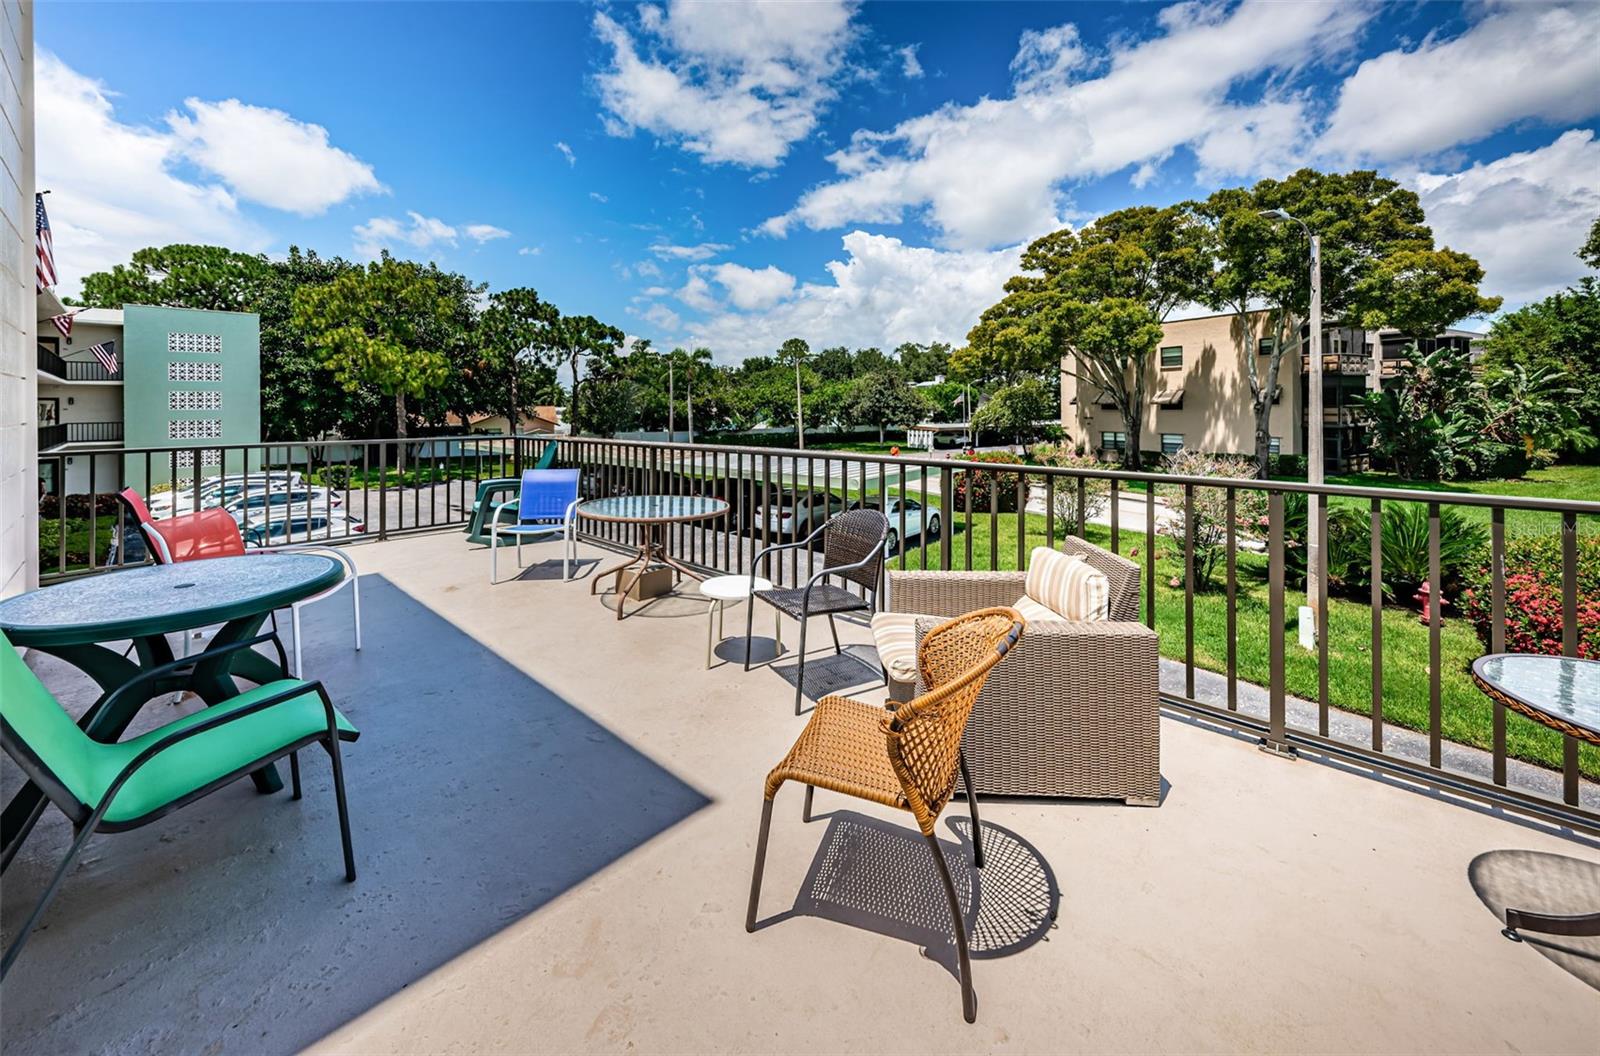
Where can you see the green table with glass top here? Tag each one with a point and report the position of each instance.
(1563, 693)
(653, 514)
(74, 620)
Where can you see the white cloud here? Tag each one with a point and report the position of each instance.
(697, 293)
(752, 289)
(117, 187)
(910, 67)
(662, 316)
(989, 173)
(702, 251)
(530, 251)
(1519, 61)
(481, 233)
(647, 269)
(1523, 216)
(385, 232)
(597, 196)
(267, 156)
(737, 83)
(883, 293)
(566, 152)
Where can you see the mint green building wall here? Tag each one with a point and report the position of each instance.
(191, 380)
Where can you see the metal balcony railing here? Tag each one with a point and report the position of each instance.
(76, 369)
(990, 516)
(79, 433)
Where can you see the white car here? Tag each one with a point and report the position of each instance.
(300, 525)
(914, 523)
(218, 491)
(252, 507)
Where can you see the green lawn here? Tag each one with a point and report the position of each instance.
(1467, 715)
(1556, 482)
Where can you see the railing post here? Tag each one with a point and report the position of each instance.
(1276, 740)
(946, 521)
(383, 499)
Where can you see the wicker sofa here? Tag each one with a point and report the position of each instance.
(1074, 709)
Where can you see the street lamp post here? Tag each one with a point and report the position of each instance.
(1314, 432)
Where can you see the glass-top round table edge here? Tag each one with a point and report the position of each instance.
(702, 508)
(1490, 672)
(93, 628)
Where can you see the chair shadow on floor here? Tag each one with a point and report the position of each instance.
(878, 875)
(829, 672)
(1543, 883)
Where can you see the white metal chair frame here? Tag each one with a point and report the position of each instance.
(567, 529)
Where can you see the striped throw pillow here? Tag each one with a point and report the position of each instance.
(1067, 584)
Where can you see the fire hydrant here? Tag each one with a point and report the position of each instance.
(1424, 598)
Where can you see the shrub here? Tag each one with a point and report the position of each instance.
(1280, 466)
(1210, 507)
(336, 476)
(1534, 620)
(1405, 548)
(1096, 490)
(982, 482)
(105, 505)
(1347, 549)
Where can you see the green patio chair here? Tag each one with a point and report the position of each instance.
(483, 503)
(114, 787)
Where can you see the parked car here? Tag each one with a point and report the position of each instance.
(300, 525)
(796, 514)
(250, 507)
(915, 528)
(217, 491)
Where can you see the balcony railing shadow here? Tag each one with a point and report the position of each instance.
(477, 794)
(877, 875)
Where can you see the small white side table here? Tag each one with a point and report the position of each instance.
(722, 591)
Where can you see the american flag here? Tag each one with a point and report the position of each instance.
(63, 323)
(106, 353)
(45, 272)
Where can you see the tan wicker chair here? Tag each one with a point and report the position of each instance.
(907, 757)
(1076, 711)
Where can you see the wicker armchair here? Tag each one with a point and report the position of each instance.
(908, 758)
(1076, 711)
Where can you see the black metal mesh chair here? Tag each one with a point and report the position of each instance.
(852, 551)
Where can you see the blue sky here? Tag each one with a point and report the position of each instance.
(734, 174)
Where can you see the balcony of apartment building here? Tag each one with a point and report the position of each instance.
(556, 810)
(80, 400)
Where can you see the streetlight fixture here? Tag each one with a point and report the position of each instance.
(1314, 431)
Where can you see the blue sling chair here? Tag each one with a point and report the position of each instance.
(546, 505)
(115, 787)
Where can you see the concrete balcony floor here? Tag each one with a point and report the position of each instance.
(555, 815)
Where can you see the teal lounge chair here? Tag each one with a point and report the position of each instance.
(113, 787)
(483, 503)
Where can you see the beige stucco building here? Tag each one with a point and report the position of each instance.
(1197, 389)
(19, 305)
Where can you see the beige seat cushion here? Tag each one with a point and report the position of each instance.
(1033, 612)
(1068, 585)
(895, 635)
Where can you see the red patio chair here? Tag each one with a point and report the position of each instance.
(214, 533)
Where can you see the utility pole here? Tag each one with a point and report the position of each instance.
(672, 402)
(799, 411)
(691, 403)
(1314, 437)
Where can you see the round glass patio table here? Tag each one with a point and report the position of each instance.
(70, 621)
(654, 513)
(1563, 693)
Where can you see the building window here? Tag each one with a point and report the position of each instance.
(1275, 445)
(192, 344)
(194, 429)
(1113, 441)
(186, 370)
(191, 400)
(1172, 358)
(1266, 345)
(1171, 443)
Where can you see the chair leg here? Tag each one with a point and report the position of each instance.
(969, 1001)
(711, 623)
(15, 948)
(294, 620)
(800, 673)
(836, 647)
(332, 744)
(294, 774)
(760, 866)
(972, 808)
(805, 811)
(355, 594)
(494, 556)
(749, 629)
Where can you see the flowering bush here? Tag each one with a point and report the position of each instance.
(1096, 490)
(1533, 596)
(1210, 507)
(982, 482)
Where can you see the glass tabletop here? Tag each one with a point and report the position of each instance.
(1563, 687)
(157, 599)
(652, 508)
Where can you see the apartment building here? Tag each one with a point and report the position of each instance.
(145, 377)
(1197, 390)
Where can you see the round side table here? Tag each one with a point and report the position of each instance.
(722, 591)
